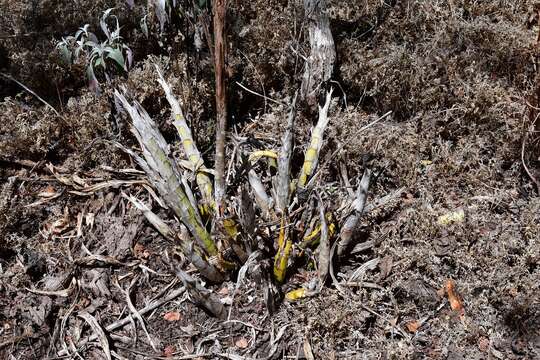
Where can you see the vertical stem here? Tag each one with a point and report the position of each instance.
(284, 162)
(320, 63)
(220, 9)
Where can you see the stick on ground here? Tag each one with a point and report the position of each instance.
(121, 323)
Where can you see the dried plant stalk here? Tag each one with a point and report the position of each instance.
(261, 197)
(220, 10)
(202, 296)
(247, 219)
(357, 208)
(256, 155)
(284, 160)
(164, 173)
(313, 237)
(194, 156)
(206, 269)
(98, 330)
(324, 246)
(311, 157)
(320, 63)
(152, 218)
(284, 250)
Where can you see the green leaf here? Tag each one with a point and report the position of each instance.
(117, 56)
(103, 23)
(77, 51)
(82, 31)
(99, 62)
(66, 54)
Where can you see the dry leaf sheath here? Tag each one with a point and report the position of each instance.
(164, 173)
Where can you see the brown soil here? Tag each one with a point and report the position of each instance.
(459, 77)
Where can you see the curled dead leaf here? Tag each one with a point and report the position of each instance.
(454, 298)
(241, 343)
(386, 266)
(140, 251)
(413, 326)
(169, 351)
(47, 192)
(172, 316)
(58, 226)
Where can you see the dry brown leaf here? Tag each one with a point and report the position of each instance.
(408, 198)
(413, 326)
(454, 298)
(241, 343)
(58, 226)
(386, 266)
(47, 192)
(140, 251)
(483, 344)
(172, 316)
(169, 351)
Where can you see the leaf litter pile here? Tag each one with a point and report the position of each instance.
(395, 215)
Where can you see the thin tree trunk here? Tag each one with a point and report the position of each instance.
(320, 63)
(220, 9)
